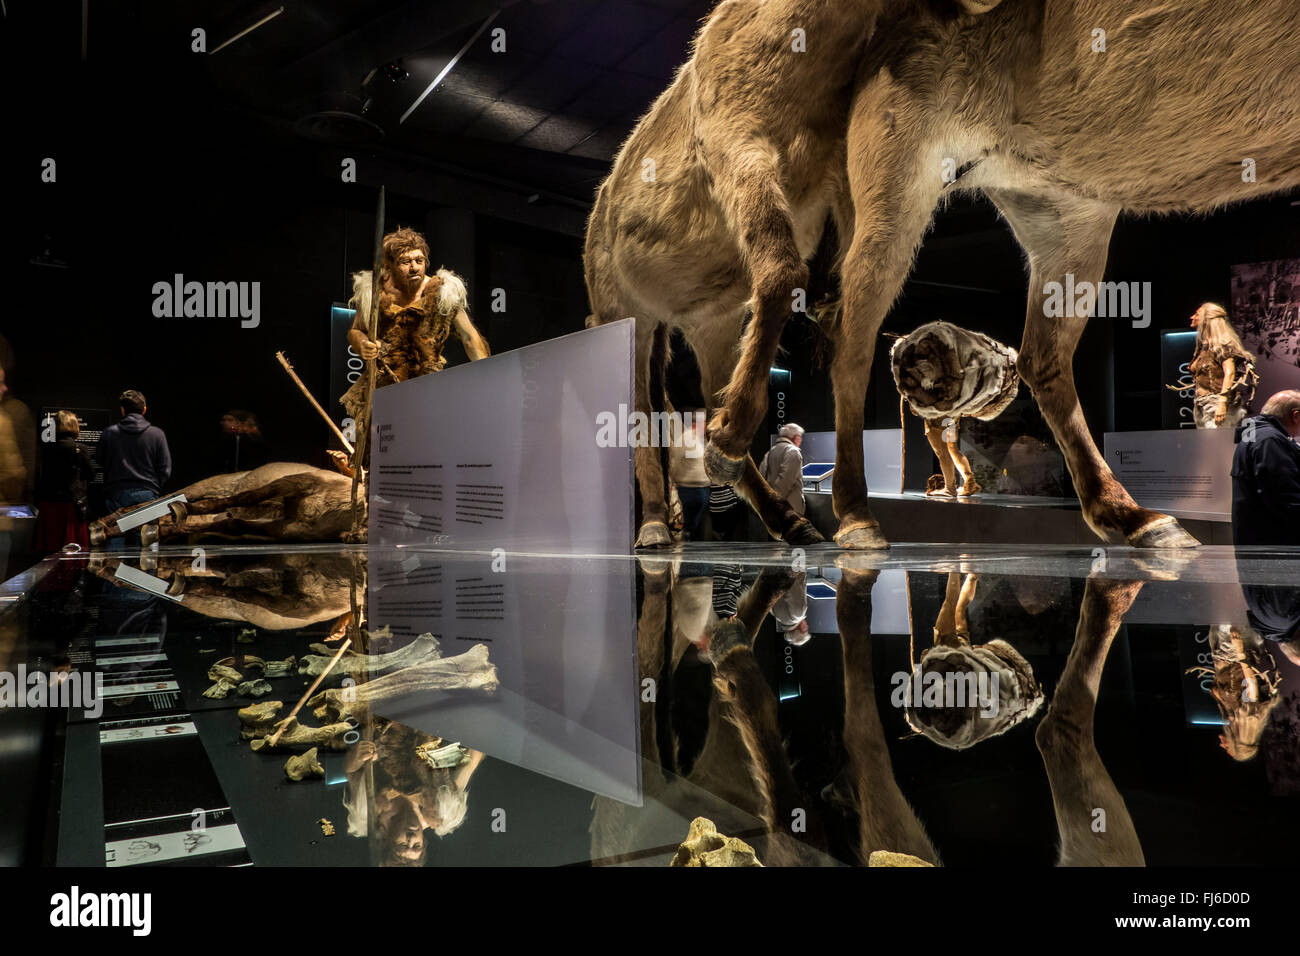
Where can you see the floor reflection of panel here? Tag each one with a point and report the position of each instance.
(563, 641)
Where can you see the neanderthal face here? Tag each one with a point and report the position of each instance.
(412, 267)
(1197, 316)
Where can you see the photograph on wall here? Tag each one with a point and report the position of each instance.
(1266, 311)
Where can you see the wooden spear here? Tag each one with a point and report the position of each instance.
(347, 445)
(275, 737)
(363, 434)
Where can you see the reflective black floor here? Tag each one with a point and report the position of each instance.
(970, 707)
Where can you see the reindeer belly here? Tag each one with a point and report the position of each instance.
(1166, 116)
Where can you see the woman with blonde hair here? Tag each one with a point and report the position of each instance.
(61, 492)
(1222, 371)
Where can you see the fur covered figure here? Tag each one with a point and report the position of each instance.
(1222, 371)
(1245, 686)
(412, 336)
(961, 693)
(995, 669)
(946, 373)
(417, 314)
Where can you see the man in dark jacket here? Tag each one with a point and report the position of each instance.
(133, 455)
(1266, 475)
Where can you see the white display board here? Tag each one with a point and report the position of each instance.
(1184, 471)
(503, 452)
(881, 455)
(889, 612)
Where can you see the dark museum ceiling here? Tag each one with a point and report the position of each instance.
(539, 122)
(551, 111)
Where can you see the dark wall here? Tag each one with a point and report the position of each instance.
(249, 205)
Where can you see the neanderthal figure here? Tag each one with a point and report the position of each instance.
(1246, 681)
(1223, 372)
(282, 501)
(417, 314)
(945, 374)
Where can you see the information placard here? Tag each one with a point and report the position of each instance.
(1185, 471)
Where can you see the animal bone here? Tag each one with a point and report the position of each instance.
(705, 846)
(469, 671)
(280, 668)
(219, 672)
(254, 688)
(423, 648)
(294, 734)
(258, 720)
(440, 757)
(220, 690)
(889, 858)
(302, 766)
(250, 662)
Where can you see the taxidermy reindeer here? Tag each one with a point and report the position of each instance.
(1183, 106)
(713, 208)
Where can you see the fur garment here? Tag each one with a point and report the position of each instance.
(411, 337)
(944, 371)
(958, 728)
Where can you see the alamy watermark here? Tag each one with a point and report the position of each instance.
(39, 689)
(932, 689)
(179, 299)
(74, 908)
(1101, 300)
(622, 429)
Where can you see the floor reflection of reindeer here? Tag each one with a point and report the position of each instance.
(1092, 818)
(676, 614)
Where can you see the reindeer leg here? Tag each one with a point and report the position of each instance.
(746, 184)
(1073, 237)
(752, 710)
(1081, 786)
(781, 520)
(896, 185)
(648, 461)
(886, 821)
(934, 434)
(969, 486)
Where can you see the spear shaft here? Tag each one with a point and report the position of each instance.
(363, 433)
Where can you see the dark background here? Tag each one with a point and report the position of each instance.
(226, 167)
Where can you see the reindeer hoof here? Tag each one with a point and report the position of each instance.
(97, 535)
(149, 534)
(179, 511)
(862, 538)
(1163, 532)
(654, 534)
(721, 469)
(803, 533)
